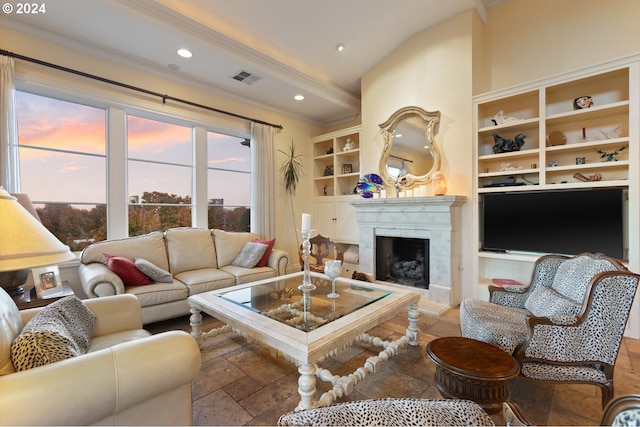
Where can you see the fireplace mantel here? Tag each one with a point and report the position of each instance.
(436, 218)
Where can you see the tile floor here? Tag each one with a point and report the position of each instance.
(243, 384)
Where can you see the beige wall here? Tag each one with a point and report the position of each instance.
(295, 130)
(525, 40)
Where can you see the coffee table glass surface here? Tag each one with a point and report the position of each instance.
(283, 301)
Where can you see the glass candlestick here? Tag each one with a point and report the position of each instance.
(306, 286)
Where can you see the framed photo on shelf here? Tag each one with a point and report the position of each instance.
(347, 168)
(47, 281)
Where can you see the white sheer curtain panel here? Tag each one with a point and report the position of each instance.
(9, 164)
(264, 180)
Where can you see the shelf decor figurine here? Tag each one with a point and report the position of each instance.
(503, 145)
(582, 102)
(556, 138)
(610, 157)
(349, 145)
(501, 119)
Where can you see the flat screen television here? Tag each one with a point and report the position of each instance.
(562, 222)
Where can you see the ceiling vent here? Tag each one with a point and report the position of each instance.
(246, 77)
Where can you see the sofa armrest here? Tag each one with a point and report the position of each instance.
(86, 389)
(98, 281)
(279, 260)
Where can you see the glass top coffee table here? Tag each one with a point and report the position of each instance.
(306, 328)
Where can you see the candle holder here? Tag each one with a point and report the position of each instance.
(306, 286)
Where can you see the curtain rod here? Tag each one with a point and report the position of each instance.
(135, 88)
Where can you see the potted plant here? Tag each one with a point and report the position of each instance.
(292, 169)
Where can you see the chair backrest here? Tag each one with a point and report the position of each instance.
(321, 248)
(622, 411)
(599, 327)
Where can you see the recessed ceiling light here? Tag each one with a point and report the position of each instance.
(298, 97)
(339, 47)
(185, 53)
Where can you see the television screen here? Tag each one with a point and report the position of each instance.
(563, 222)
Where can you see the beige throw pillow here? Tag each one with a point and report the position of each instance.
(250, 254)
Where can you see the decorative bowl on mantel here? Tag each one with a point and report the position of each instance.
(368, 185)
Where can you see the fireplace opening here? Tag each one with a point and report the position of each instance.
(403, 260)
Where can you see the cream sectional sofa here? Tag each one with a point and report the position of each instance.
(198, 259)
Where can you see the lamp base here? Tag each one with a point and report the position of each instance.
(18, 290)
(12, 281)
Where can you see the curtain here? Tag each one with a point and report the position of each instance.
(264, 180)
(9, 165)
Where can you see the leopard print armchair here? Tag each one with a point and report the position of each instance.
(566, 326)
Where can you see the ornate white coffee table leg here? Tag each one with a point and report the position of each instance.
(306, 385)
(412, 329)
(195, 320)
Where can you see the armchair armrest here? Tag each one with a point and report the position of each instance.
(113, 314)
(87, 389)
(554, 341)
(509, 296)
(98, 281)
(278, 260)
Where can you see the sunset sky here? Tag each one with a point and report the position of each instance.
(51, 176)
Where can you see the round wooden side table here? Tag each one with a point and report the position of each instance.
(473, 370)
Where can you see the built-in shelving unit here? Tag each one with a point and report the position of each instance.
(336, 171)
(546, 107)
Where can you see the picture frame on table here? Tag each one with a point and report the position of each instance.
(47, 281)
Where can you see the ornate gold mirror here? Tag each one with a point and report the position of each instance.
(409, 150)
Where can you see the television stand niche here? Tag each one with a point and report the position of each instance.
(542, 110)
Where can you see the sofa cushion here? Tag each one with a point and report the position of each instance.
(573, 276)
(545, 302)
(59, 331)
(148, 246)
(250, 255)
(205, 279)
(126, 270)
(159, 293)
(154, 272)
(229, 244)
(10, 327)
(246, 275)
(190, 249)
(270, 244)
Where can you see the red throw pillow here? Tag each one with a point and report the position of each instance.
(265, 257)
(126, 270)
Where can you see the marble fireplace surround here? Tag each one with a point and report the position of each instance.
(436, 218)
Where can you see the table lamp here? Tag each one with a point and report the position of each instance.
(24, 243)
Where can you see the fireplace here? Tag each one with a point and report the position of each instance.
(404, 261)
(434, 221)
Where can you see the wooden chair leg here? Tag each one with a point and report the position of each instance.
(607, 393)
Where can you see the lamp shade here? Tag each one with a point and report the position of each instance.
(24, 241)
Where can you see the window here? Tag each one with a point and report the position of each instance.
(64, 150)
(61, 146)
(228, 182)
(160, 168)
